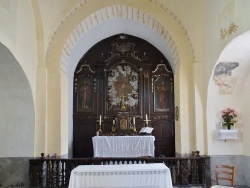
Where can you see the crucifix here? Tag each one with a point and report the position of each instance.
(123, 107)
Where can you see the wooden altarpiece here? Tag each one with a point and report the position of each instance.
(121, 79)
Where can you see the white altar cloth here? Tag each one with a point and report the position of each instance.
(155, 175)
(123, 146)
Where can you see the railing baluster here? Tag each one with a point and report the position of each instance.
(184, 172)
(192, 171)
(177, 171)
(63, 173)
(197, 173)
(48, 172)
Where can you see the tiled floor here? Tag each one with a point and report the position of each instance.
(236, 186)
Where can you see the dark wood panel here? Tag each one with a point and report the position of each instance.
(84, 129)
(83, 148)
(165, 140)
(123, 74)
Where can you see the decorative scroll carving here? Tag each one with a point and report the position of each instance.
(160, 117)
(85, 70)
(146, 74)
(122, 47)
(161, 70)
(123, 88)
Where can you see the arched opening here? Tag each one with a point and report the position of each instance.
(17, 108)
(123, 74)
(228, 87)
(73, 46)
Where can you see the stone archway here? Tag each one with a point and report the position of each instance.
(60, 66)
(226, 89)
(16, 108)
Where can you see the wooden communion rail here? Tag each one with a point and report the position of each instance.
(55, 172)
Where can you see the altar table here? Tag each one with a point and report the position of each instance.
(155, 175)
(123, 146)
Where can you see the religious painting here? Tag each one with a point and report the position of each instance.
(224, 78)
(122, 88)
(123, 121)
(162, 91)
(85, 95)
(123, 124)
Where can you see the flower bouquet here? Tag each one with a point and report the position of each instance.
(229, 115)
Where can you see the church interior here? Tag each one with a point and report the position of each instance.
(74, 69)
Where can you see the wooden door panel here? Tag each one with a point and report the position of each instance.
(83, 131)
(82, 148)
(164, 138)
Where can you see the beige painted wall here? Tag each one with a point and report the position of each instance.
(217, 50)
(245, 118)
(36, 41)
(18, 34)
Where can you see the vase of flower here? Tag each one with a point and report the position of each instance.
(229, 117)
(228, 126)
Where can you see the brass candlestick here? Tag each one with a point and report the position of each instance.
(134, 129)
(100, 125)
(100, 129)
(113, 129)
(147, 120)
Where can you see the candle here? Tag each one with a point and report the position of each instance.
(134, 120)
(146, 118)
(113, 122)
(100, 121)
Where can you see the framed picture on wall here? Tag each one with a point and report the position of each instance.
(85, 99)
(162, 91)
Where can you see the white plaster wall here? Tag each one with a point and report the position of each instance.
(18, 34)
(218, 50)
(208, 47)
(186, 120)
(217, 14)
(16, 109)
(18, 79)
(199, 100)
(245, 118)
(192, 14)
(52, 12)
(8, 10)
(236, 51)
(65, 147)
